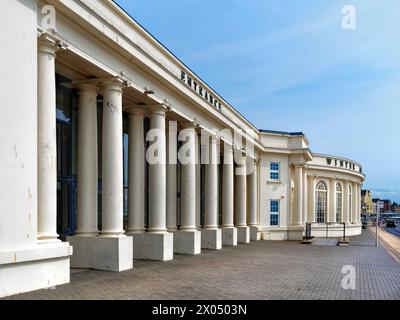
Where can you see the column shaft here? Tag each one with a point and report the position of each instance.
(252, 193)
(241, 192)
(298, 196)
(354, 203)
(346, 203)
(136, 171)
(305, 195)
(198, 183)
(171, 179)
(332, 201)
(47, 140)
(211, 192)
(227, 188)
(87, 162)
(112, 160)
(188, 179)
(311, 197)
(157, 172)
(359, 203)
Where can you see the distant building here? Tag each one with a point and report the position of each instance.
(367, 206)
(387, 204)
(395, 207)
(377, 203)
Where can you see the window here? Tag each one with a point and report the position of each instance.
(274, 213)
(339, 202)
(274, 173)
(321, 207)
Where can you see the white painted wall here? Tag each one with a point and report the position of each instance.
(18, 58)
(274, 190)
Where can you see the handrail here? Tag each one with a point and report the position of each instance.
(327, 223)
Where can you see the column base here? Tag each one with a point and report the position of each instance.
(243, 234)
(187, 242)
(295, 232)
(102, 253)
(42, 266)
(153, 246)
(255, 235)
(211, 239)
(229, 236)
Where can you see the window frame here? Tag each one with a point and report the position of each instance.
(321, 203)
(339, 213)
(278, 171)
(273, 213)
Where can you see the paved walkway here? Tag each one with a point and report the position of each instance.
(260, 270)
(389, 241)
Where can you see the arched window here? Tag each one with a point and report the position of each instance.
(321, 207)
(350, 204)
(339, 202)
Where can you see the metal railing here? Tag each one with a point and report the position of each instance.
(309, 229)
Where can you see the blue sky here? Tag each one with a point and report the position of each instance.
(289, 65)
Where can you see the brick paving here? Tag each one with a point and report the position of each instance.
(259, 270)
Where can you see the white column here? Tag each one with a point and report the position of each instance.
(229, 232)
(243, 231)
(87, 175)
(211, 188)
(357, 204)
(198, 183)
(354, 203)
(311, 197)
(171, 178)
(332, 201)
(136, 170)
(241, 192)
(346, 217)
(188, 180)
(359, 186)
(305, 195)
(156, 243)
(157, 173)
(47, 140)
(112, 160)
(227, 188)
(298, 195)
(252, 193)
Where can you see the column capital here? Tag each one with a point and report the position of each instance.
(158, 108)
(297, 163)
(87, 87)
(113, 84)
(135, 111)
(189, 125)
(84, 85)
(50, 42)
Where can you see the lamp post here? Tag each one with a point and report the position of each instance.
(379, 206)
(376, 226)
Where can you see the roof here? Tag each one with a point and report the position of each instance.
(282, 132)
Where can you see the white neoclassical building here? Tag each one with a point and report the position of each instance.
(113, 150)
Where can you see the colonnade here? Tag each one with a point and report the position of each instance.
(239, 192)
